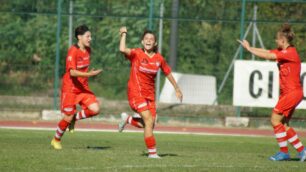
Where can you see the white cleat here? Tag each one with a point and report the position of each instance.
(123, 122)
(155, 156)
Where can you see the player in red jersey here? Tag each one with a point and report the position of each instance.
(145, 63)
(291, 93)
(75, 89)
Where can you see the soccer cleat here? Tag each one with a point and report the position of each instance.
(56, 144)
(280, 156)
(72, 124)
(123, 122)
(302, 155)
(154, 156)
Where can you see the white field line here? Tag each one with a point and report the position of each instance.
(134, 131)
(180, 166)
(212, 165)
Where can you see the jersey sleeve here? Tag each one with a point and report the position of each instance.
(132, 54)
(165, 67)
(283, 55)
(71, 59)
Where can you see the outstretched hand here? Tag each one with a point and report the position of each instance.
(94, 72)
(245, 44)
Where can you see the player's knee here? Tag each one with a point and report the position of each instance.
(274, 122)
(95, 109)
(148, 121)
(68, 118)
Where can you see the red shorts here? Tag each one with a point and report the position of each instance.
(70, 100)
(140, 104)
(287, 103)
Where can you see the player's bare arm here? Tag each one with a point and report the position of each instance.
(178, 91)
(261, 49)
(92, 72)
(262, 53)
(122, 46)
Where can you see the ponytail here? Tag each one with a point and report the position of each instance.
(287, 32)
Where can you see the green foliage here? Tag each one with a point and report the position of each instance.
(207, 36)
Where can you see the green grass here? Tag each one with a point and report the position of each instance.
(26, 150)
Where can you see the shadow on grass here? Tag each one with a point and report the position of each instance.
(98, 147)
(291, 159)
(294, 159)
(161, 155)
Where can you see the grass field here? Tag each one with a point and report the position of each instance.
(29, 150)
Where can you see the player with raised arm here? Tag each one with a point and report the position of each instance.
(145, 63)
(291, 92)
(75, 89)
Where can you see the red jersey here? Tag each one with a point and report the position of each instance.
(77, 60)
(289, 65)
(143, 72)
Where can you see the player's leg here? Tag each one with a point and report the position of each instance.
(90, 108)
(293, 100)
(152, 108)
(88, 111)
(137, 104)
(148, 133)
(68, 109)
(136, 121)
(294, 140)
(281, 137)
(282, 112)
(128, 119)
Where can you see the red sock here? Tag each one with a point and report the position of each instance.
(151, 144)
(61, 128)
(85, 113)
(134, 122)
(294, 140)
(281, 137)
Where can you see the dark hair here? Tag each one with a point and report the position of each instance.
(287, 32)
(80, 30)
(155, 48)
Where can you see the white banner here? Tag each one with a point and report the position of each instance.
(197, 89)
(256, 84)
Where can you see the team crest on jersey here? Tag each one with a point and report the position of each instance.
(144, 61)
(157, 64)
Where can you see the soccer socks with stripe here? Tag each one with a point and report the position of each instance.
(294, 140)
(61, 128)
(151, 145)
(134, 121)
(85, 113)
(281, 137)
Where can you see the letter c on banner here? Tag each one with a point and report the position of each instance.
(302, 82)
(251, 84)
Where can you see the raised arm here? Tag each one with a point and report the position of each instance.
(122, 45)
(259, 52)
(178, 92)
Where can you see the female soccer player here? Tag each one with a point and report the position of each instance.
(145, 63)
(75, 89)
(291, 93)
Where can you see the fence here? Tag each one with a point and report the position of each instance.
(196, 37)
